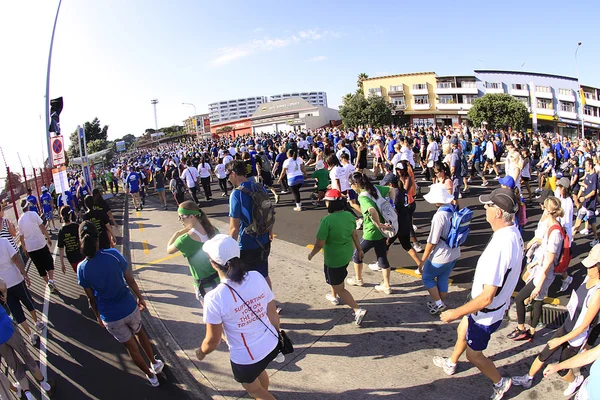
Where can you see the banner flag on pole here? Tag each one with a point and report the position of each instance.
(56, 106)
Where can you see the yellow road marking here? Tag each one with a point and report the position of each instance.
(312, 246)
(137, 213)
(169, 257)
(141, 226)
(146, 248)
(411, 272)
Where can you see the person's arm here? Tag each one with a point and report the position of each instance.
(234, 227)
(134, 287)
(171, 249)
(478, 303)
(549, 261)
(92, 300)
(111, 217)
(428, 250)
(18, 261)
(283, 172)
(61, 254)
(317, 248)
(516, 173)
(273, 315)
(111, 238)
(211, 341)
(356, 241)
(590, 315)
(45, 232)
(581, 359)
(11, 228)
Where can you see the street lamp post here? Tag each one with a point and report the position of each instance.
(47, 99)
(195, 115)
(580, 94)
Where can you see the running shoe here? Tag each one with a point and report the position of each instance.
(278, 309)
(566, 283)
(523, 380)
(499, 391)
(284, 192)
(484, 183)
(417, 271)
(417, 247)
(594, 242)
(445, 364)
(52, 287)
(34, 339)
(280, 358)
(383, 289)
(435, 310)
(153, 381)
(276, 198)
(359, 315)
(334, 300)
(466, 190)
(515, 333)
(224, 194)
(39, 326)
(430, 304)
(496, 177)
(374, 267)
(157, 366)
(415, 228)
(297, 208)
(359, 223)
(584, 232)
(573, 386)
(355, 282)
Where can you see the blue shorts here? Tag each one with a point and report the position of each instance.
(478, 336)
(442, 272)
(134, 191)
(162, 189)
(352, 195)
(49, 215)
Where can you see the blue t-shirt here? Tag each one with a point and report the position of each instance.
(240, 206)
(593, 386)
(46, 201)
(390, 147)
(478, 156)
(69, 199)
(6, 326)
(104, 274)
(133, 181)
(281, 157)
(33, 200)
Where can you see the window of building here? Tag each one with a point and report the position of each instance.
(446, 99)
(397, 88)
(398, 101)
(469, 98)
(565, 92)
(445, 85)
(375, 91)
(422, 99)
(589, 110)
(543, 89)
(493, 85)
(467, 84)
(567, 106)
(544, 103)
(519, 86)
(589, 95)
(419, 86)
(524, 100)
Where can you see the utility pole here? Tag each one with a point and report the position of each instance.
(47, 99)
(580, 94)
(154, 102)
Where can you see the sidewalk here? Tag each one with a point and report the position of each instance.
(389, 355)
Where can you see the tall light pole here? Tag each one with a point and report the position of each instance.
(195, 114)
(579, 93)
(47, 98)
(154, 102)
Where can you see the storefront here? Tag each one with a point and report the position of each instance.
(422, 121)
(234, 128)
(293, 114)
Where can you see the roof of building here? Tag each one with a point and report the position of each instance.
(285, 106)
(399, 75)
(491, 71)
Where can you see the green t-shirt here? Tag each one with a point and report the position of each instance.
(370, 231)
(200, 266)
(336, 230)
(322, 177)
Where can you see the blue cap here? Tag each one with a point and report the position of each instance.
(507, 181)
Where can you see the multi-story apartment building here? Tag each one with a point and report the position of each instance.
(229, 110)
(314, 98)
(197, 124)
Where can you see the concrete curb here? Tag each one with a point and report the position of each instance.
(189, 378)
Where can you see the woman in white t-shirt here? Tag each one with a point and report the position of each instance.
(539, 274)
(204, 169)
(293, 167)
(563, 192)
(242, 306)
(336, 172)
(222, 177)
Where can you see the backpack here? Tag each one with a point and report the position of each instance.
(179, 186)
(265, 164)
(461, 220)
(565, 253)
(263, 210)
(387, 212)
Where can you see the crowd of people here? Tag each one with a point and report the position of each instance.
(368, 209)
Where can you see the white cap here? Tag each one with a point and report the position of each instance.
(320, 164)
(221, 248)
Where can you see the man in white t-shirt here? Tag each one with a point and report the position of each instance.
(190, 177)
(496, 276)
(433, 153)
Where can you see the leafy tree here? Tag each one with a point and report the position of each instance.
(93, 132)
(16, 181)
(378, 111)
(353, 109)
(500, 111)
(361, 77)
(96, 145)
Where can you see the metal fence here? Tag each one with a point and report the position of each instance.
(16, 182)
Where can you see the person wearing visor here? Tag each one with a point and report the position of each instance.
(243, 307)
(196, 230)
(496, 276)
(338, 237)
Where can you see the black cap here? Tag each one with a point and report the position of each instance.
(502, 198)
(545, 194)
(389, 178)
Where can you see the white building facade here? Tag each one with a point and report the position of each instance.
(228, 110)
(314, 98)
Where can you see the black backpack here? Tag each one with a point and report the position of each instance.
(263, 210)
(179, 186)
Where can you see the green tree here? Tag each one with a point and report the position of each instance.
(16, 181)
(353, 109)
(96, 145)
(93, 131)
(361, 77)
(500, 111)
(379, 111)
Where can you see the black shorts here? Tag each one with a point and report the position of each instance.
(525, 179)
(257, 259)
(335, 276)
(566, 351)
(266, 178)
(380, 252)
(15, 296)
(403, 238)
(42, 259)
(248, 373)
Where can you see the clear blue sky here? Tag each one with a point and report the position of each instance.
(112, 57)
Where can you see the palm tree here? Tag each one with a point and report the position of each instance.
(361, 77)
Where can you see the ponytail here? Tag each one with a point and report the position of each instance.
(89, 245)
(363, 182)
(234, 269)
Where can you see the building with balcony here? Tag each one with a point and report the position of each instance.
(229, 110)
(197, 124)
(314, 98)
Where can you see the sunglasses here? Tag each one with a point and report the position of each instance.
(182, 217)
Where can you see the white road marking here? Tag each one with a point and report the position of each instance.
(44, 335)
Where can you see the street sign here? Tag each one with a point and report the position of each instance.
(58, 150)
(61, 182)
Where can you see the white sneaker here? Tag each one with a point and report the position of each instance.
(34, 339)
(566, 283)
(334, 300)
(19, 391)
(359, 223)
(417, 271)
(417, 247)
(522, 380)
(153, 381)
(499, 391)
(28, 396)
(359, 315)
(415, 228)
(157, 366)
(297, 208)
(374, 267)
(496, 177)
(584, 232)
(284, 192)
(39, 326)
(355, 282)
(280, 358)
(445, 364)
(435, 309)
(573, 386)
(383, 289)
(484, 183)
(594, 242)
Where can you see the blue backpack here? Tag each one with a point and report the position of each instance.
(461, 219)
